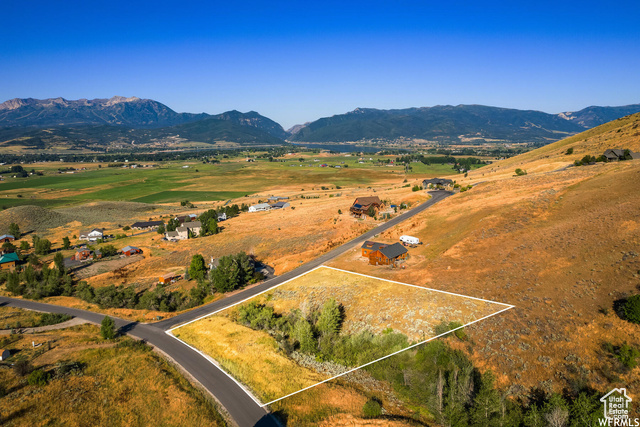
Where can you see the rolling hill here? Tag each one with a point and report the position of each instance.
(454, 124)
(622, 133)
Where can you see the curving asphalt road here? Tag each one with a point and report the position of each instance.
(240, 406)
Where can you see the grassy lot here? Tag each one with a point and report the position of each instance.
(250, 356)
(11, 317)
(370, 304)
(107, 383)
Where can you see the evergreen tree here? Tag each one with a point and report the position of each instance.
(108, 328)
(197, 268)
(58, 259)
(14, 230)
(487, 402)
(585, 411)
(161, 229)
(66, 243)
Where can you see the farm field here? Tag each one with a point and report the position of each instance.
(369, 305)
(90, 379)
(172, 182)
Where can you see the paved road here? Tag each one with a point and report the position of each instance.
(243, 410)
(268, 284)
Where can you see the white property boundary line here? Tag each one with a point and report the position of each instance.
(262, 405)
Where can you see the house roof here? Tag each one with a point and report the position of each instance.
(262, 206)
(618, 152)
(4, 236)
(280, 205)
(10, 257)
(172, 234)
(374, 246)
(99, 230)
(369, 200)
(145, 224)
(192, 224)
(169, 276)
(181, 230)
(129, 248)
(393, 251)
(437, 181)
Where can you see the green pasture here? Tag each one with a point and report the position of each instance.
(172, 182)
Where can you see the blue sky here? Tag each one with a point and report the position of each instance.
(299, 61)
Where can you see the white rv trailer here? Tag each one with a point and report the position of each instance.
(409, 240)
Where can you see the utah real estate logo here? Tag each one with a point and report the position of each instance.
(617, 407)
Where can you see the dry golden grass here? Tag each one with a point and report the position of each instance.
(375, 305)
(120, 386)
(250, 356)
(10, 316)
(254, 358)
(554, 245)
(623, 133)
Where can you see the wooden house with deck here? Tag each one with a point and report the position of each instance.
(384, 254)
(363, 205)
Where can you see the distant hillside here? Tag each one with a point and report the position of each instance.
(41, 124)
(621, 133)
(209, 130)
(120, 111)
(253, 119)
(454, 124)
(594, 116)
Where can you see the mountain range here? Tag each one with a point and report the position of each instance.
(41, 123)
(455, 124)
(119, 120)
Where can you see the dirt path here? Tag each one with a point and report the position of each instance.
(73, 322)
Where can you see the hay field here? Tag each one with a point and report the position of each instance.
(174, 181)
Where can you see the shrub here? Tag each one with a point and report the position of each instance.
(108, 328)
(569, 151)
(38, 377)
(372, 408)
(53, 319)
(631, 309)
(520, 172)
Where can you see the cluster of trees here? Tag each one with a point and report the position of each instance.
(209, 220)
(233, 272)
(318, 334)
(447, 384)
(35, 283)
(158, 299)
(434, 376)
(39, 283)
(588, 159)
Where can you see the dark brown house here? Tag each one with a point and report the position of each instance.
(383, 254)
(362, 205)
